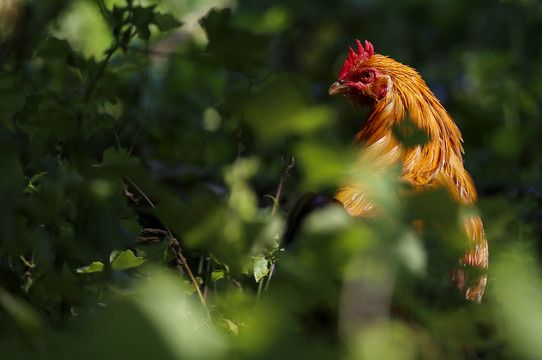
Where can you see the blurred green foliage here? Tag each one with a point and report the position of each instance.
(142, 144)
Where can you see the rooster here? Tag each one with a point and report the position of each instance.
(395, 92)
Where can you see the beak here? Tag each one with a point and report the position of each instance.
(337, 88)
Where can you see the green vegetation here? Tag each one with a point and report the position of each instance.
(142, 144)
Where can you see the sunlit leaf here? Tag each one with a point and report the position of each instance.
(323, 164)
(217, 275)
(32, 188)
(96, 266)
(412, 253)
(275, 202)
(261, 267)
(231, 326)
(190, 288)
(126, 260)
(517, 293)
(279, 109)
(168, 147)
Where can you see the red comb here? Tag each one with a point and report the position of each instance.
(362, 55)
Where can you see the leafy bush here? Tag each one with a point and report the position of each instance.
(145, 185)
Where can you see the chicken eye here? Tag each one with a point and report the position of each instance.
(367, 75)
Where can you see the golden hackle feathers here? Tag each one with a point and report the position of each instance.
(437, 163)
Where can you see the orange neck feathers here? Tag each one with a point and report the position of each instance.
(396, 92)
(436, 163)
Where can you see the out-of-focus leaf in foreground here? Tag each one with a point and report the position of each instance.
(518, 295)
(279, 109)
(157, 320)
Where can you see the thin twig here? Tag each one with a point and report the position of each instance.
(99, 73)
(101, 70)
(271, 269)
(258, 293)
(194, 55)
(177, 251)
(285, 170)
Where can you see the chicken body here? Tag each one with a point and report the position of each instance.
(394, 92)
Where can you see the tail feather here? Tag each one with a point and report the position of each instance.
(471, 278)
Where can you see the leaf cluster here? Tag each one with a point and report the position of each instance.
(144, 189)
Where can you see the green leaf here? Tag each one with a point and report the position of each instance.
(31, 187)
(217, 275)
(126, 260)
(322, 163)
(156, 253)
(54, 48)
(166, 22)
(117, 161)
(20, 309)
(10, 100)
(190, 288)
(231, 326)
(142, 18)
(408, 134)
(261, 267)
(279, 108)
(436, 206)
(275, 202)
(132, 225)
(96, 266)
(238, 48)
(78, 61)
(105, 121)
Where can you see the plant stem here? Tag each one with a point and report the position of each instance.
(285, 170)
(177, 251)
